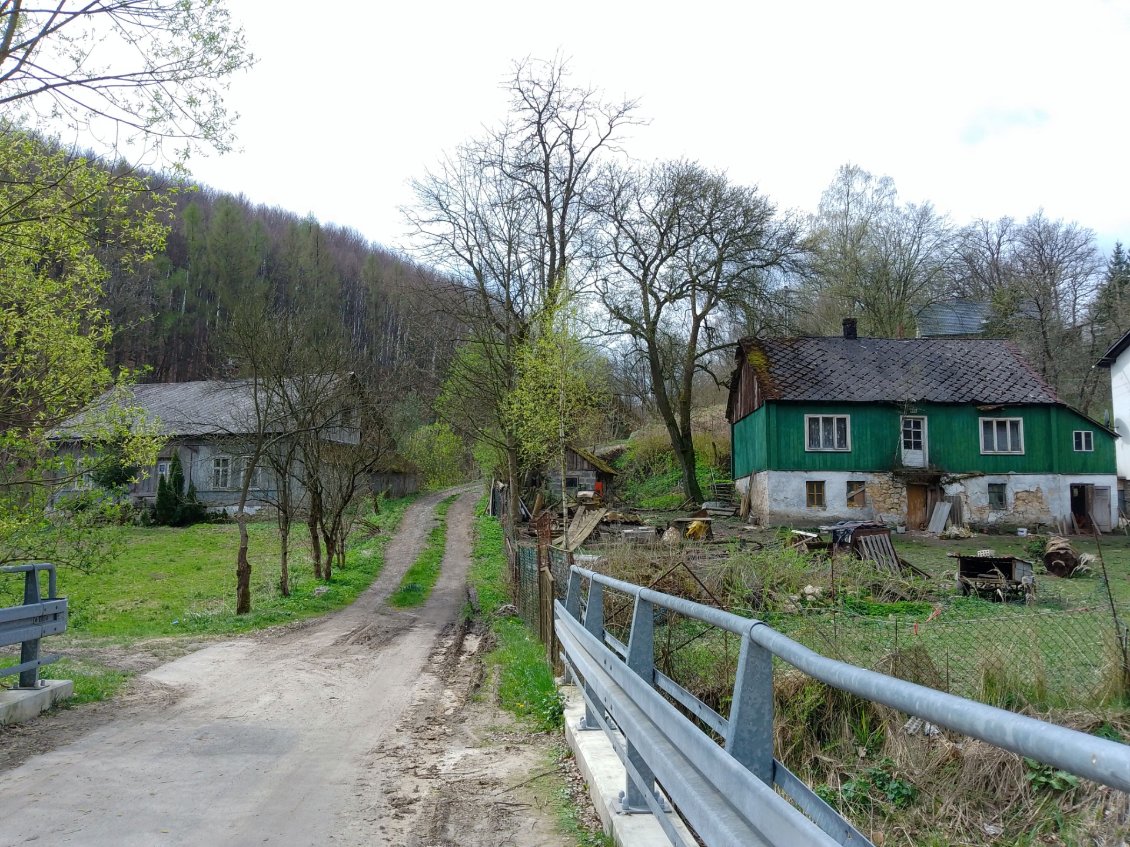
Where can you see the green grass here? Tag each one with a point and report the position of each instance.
(418, 581)
(486, 575)
(92, 681)
(525, 679)
(169, 582)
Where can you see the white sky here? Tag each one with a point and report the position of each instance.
(983, 107)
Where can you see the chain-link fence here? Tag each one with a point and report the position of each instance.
(1006, 654)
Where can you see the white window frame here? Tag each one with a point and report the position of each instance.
(164, 468)
(1084, 444)
(833, 418)
(221, 471)
(997, 421)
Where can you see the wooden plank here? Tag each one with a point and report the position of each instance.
(582, 528)
(939, 517)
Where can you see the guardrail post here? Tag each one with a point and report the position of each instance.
(29, 650)
(641, 659)
(749, 738)
(594, 623)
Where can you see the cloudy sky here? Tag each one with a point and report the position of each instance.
(983, 107)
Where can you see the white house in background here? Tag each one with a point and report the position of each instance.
(1117, 360)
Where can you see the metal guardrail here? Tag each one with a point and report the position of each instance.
(28, 623)
(726, 794)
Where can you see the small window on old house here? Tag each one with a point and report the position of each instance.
(814, 494)
(221, 473)
(856, 494)
(997, 496)
(163, 469)
(1084, 441)
(570, 483)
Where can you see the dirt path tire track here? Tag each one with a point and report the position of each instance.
(278, 738)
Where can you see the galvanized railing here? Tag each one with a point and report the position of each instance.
(28, 623)
(726, 793)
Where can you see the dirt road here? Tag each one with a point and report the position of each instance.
(357, 730)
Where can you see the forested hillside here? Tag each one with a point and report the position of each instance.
(169, 314)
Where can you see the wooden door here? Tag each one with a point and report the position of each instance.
(916, 496)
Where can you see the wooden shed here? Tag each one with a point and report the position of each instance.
(584, 471)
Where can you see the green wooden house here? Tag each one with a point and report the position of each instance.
(847, 427)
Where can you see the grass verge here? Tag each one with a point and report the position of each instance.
(418, 581)
(525, 679)
(170, 582)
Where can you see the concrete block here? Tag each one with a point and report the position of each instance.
(605, 777)
(21, 704)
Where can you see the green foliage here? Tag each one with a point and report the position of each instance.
(559, 393)
(174, 505)
(54, 332)
(876, 788)
(418, 581)
(1047, 777)
(439, 454)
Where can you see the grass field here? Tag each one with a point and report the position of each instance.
(168, 582)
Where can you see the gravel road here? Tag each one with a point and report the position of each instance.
(359, 729)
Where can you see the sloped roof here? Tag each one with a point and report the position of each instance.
(1111, 355)
(878, 370)
(953, 317)
(594, 460)
(206, 407)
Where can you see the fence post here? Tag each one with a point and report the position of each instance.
(594, 623)
(749, 737)
(29, 650)
(641, 659)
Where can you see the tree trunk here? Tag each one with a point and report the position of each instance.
(315, 544)
(684, 451)
(515, 483)
(331, 548)
(242, 569)
(284, 557)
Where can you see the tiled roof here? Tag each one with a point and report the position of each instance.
(208, 407)
(877, 370)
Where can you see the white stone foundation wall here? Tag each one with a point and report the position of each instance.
(779, 496)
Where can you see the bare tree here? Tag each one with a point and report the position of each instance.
(683, 246)
(872, 256)
(506, 216)
(150, 68)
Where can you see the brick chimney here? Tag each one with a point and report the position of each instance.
(849, 328)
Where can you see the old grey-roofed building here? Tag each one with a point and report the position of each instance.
(875, 428)
(211, 426)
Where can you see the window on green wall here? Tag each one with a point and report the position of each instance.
(1002, 435)
(814, 494)
(827, 432)
(1084, 441)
